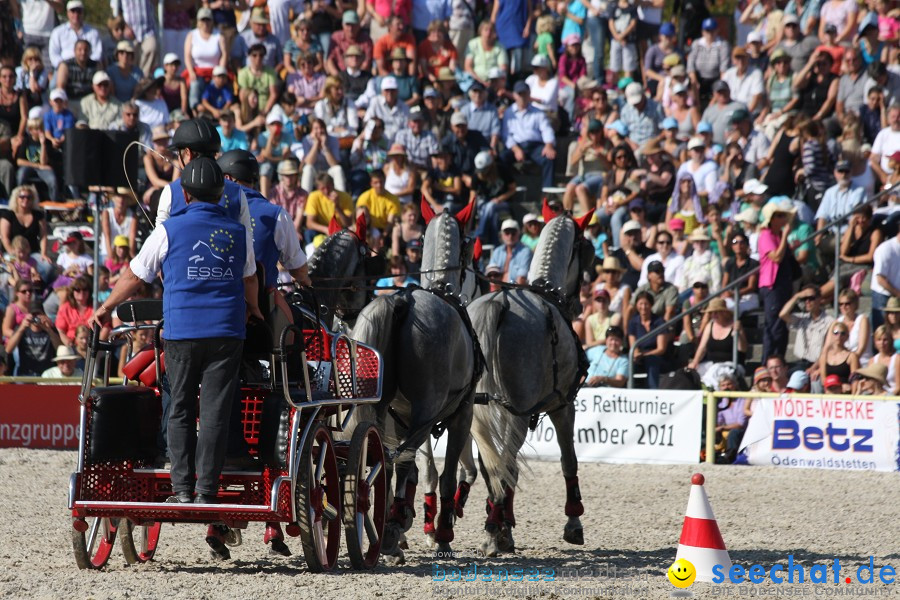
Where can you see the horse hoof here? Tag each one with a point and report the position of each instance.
(574, 536)
(394, 560)
(489, 547)
(444, 549)
(505, 541)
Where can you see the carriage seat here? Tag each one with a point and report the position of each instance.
(275, 426)
(124, 424)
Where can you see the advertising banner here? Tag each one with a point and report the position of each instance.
(39, 416)
(624, 426)
(824, 433)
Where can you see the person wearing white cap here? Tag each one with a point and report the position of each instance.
(101, 108)
(641, 115)
(58, 119)
(65, 364)
(512, 256)
(258, 33)
(464, 145)
(544, 85)
(389, 109)
(217, 98)
(75, 74)
(204, 48)
(33, 156)
(123, 74)
(63, 37)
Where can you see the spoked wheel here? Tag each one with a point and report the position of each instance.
(94, 545)
(318, 501)
(138, 543)
(365, 497)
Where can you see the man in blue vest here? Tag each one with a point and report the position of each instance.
(274, 240)
(210, 287)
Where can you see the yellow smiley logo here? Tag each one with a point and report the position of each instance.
(681, 573)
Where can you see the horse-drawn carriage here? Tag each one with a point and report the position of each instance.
(305, 389)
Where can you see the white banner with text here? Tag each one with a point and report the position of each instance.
(624, 426)
(824, 433)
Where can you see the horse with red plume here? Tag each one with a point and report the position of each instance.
(431, 365)
(534, 365)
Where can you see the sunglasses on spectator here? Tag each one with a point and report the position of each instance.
(26, 291)
(76, 290)
(810, 298)
(510, 231)
(26, 196)
(618, 156)
(845, 304)
(738, 241)
(663, 242)
(76, 10)
(839, 331)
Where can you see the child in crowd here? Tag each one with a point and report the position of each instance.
(75, 260)
(572, 67)
(121, 256)
(59, 119)
(543, 43)
(22, 267)
(217, 97)
(33, 158)
(623, 21)
(103, 288)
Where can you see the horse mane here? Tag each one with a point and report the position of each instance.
(334, 257)
(441, 251)
(553, 252)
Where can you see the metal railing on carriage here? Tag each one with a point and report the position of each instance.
(733, 285)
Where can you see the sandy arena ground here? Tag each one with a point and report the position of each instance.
(632, 524)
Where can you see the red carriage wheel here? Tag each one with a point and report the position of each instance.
(365, 496)
(141, 548)
(94, 545)
(318, 501)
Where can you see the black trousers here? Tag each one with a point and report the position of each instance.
(208, 367)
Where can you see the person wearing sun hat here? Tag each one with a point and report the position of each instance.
(715, 346)
(702, 265)
(870, 380)
(778, 270)
(65, 360)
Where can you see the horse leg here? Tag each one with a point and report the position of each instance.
(431, 482)
(564, 421)
(467, 474)
(458, 427)
(399, 517)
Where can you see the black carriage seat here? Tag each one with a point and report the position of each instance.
(124, 424)
(133, 311)
(275, 425)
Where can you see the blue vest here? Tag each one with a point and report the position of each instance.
(263, 216)
(231, 199)
(203, 271)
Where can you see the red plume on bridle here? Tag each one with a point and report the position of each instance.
(465, 214)
(334, 226)
(477, 250)
(583, 221)
(427, 211)
(546, 212)
(361, 228)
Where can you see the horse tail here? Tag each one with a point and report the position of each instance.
(494, 428)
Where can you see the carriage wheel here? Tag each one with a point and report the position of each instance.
(365, 497)
(147, 538)
(94, 545)
(318, 501)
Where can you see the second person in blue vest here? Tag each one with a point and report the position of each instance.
(210, 288)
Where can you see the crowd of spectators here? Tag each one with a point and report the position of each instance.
(708, 146)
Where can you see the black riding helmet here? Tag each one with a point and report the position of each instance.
(203, 179)
(198, 135)
(240, 165)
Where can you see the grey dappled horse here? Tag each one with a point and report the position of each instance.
(338, 269)
(534, 364)
(431, 365)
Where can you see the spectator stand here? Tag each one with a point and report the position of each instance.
(752, 319)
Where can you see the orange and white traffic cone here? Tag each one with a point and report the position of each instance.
(701, 543)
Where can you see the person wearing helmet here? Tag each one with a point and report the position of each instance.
(192, 139)
(274, 240)
(210, 287)
(492, 187)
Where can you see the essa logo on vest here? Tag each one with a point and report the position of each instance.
(206, 264)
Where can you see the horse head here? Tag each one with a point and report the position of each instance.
(562, 256)
(338, 269)
(447, 251)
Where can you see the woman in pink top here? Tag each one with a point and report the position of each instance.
(776, 279)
